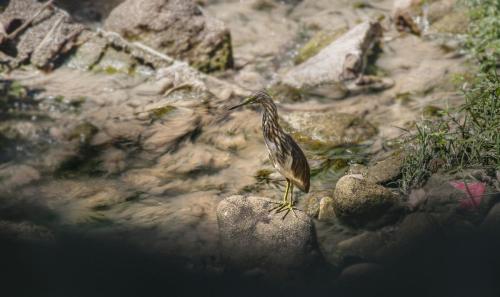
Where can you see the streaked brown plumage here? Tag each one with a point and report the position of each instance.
(284, 152)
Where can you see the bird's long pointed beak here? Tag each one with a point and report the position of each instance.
(247, 101)
(236, 106)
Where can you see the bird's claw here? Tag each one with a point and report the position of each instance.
(284, 206)
(278, 207)
(287, 208)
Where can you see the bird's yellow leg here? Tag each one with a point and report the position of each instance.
(289, 205)
(283, 204)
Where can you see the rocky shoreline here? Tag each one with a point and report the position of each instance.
(114, 134)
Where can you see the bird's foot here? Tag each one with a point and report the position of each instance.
(287, 208)
(279, 207)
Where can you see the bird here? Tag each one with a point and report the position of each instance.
(285, 154)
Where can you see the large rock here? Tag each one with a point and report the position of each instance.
(254, 239)
(341, 61)
(328, 128)
(177, 28)
(51, 34)
(361, 202)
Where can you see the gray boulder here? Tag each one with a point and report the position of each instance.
(360, 202)
(177, 28)
(254, 239)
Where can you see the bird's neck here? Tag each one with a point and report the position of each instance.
(270, 117)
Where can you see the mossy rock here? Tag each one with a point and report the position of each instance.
(319, 41)
(327, 129)
(217, 59)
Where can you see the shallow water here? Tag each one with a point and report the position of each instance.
(129, 196)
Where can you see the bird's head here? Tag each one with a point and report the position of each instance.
(256, 97)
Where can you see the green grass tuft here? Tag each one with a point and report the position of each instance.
(466, 137)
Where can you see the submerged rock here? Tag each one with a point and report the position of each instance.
(341, 61)
(328, 128)
(51, 34)
(176, 28)
(358, 201)
(252, 238)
